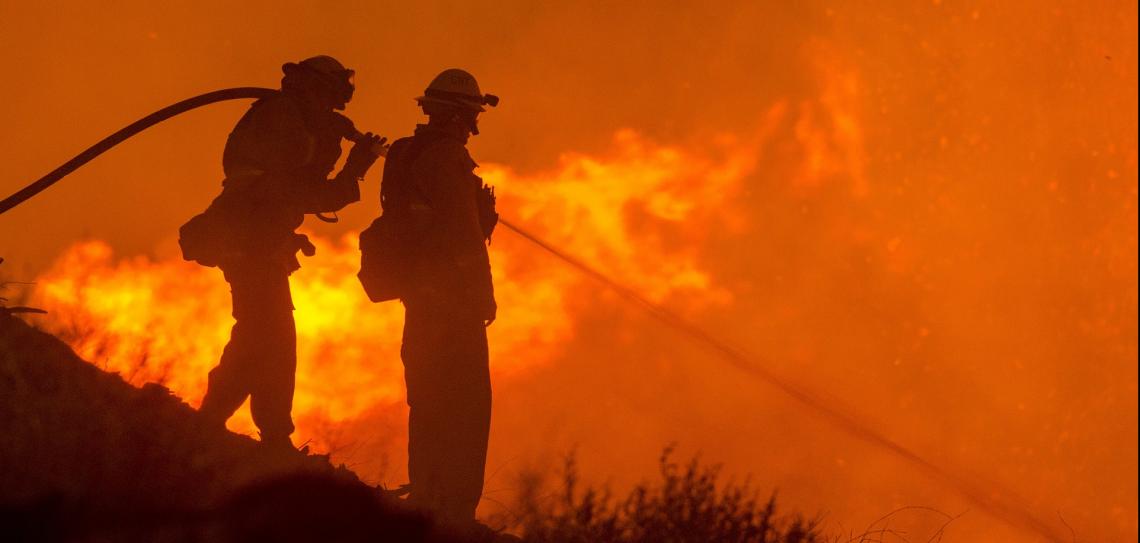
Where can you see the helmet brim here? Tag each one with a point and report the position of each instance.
(457, 103)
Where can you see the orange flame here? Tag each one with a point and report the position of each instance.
(167, 321)
(878, 284)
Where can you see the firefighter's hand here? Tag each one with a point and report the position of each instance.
(380, 147)
(374, 145)
(302, 243)
(488, 218)
(364, 153)
(308, 249)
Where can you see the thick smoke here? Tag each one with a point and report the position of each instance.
(930, 217)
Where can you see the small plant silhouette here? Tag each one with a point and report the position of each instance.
(688, 504)
(4, 309)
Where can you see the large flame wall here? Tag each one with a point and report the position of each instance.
(166, 321)
(925, 212)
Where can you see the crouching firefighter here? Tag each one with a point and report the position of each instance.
(429, 250)
(277, 163)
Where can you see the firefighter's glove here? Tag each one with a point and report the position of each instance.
(364, 153)
(301, 243)
(488, 217)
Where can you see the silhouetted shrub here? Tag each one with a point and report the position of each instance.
(5, 307)
(688, 505)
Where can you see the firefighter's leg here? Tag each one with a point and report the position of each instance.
(450, 401)
(271, 393)
(229, 382)
(420, 350)
(467, 420)
(425, 454)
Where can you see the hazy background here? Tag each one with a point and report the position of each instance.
(924, 210)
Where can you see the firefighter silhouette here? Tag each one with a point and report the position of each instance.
(433, 200)
(277, 163)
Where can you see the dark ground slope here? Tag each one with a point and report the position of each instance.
(84, 456)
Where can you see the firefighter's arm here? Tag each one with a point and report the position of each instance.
(274, 139)
(343, 189)
(280, 140)
(271, 138)
(286, 146)
(327, 195)
(457, 191)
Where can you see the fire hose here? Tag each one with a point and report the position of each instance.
(104, 145)
(998, 502)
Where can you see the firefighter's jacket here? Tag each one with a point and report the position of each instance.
(277, 163)
(450, 263)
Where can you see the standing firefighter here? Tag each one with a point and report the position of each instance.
(432, 241)
(277, 163)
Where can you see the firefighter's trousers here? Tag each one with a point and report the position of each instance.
(260, 361)
(449, 395)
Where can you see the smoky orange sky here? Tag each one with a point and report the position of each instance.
(923, 211)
